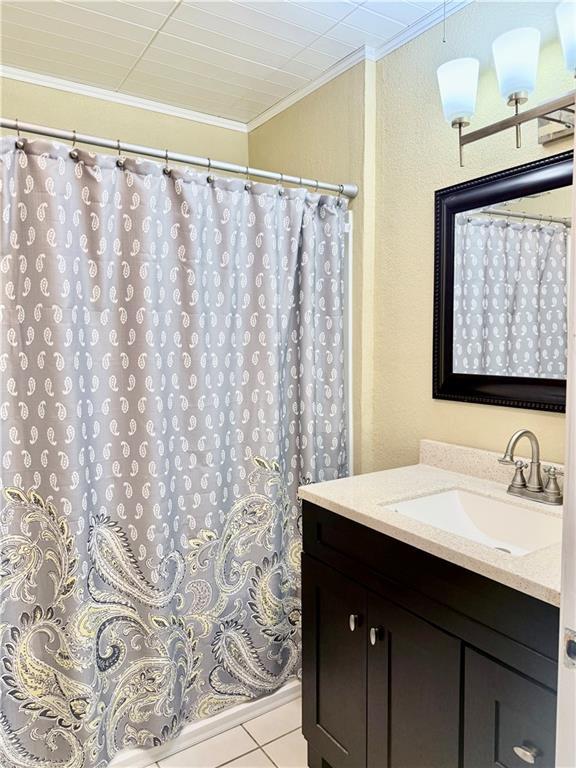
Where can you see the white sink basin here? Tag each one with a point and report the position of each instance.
(511, 528)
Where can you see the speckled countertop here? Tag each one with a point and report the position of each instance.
(367, 499)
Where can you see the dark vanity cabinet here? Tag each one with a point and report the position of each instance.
(412, 662)
(510, 719)
(414, 701)
(334, 664)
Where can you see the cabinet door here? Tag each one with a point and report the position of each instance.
(509, 720)
(333, 665)
(413, 691)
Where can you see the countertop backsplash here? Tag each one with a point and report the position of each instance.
(471, 461)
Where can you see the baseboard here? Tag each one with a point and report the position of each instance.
(205, 729)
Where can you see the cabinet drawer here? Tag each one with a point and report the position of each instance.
(509, 719)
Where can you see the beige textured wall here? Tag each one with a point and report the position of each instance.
(330, 135)
(417, 154)
(59, 109)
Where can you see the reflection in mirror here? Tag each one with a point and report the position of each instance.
(510, 305)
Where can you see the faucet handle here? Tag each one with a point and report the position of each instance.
(519, 481)
(552, 489)
(553, 471)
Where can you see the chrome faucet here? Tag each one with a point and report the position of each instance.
(533, 488)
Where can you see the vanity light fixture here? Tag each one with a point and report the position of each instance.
(515, 54)
(516, 61)
(458, 83)
(566, 20)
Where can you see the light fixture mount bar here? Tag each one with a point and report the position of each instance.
(556, 126)
(565, 102)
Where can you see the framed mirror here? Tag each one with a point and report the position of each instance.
(500, 301)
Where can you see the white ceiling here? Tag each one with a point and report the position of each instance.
(230, 58)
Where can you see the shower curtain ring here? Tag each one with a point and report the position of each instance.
(166, 170)
(339, 198)
(74, 152)
(316, 185)
(281, 190)
(209, 178)
(121, 160)
(20, 142)
(248, 183)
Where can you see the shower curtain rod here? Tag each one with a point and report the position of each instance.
(349, 190)
(531, 217)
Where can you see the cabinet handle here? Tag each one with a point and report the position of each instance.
(527, 752)
(374, 635)
(353, 621)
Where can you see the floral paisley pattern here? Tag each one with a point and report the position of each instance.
(171, 369)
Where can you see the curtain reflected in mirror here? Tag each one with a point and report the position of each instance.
(510, 287)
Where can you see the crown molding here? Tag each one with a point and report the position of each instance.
(13, 73)
(361, 54)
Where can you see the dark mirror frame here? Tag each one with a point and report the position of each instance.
(514, 391)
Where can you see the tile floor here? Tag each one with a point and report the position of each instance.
(272, 740)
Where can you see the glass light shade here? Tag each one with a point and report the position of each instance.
(458, 82)
(566, 18)
(516, 60)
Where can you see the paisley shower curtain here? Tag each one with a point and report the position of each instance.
(510, 297)
(171, 368)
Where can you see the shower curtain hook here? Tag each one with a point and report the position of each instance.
(20, 142)
(209, 178)
(281, 189)
(339, 198)
(121, 160)
(315, 185)
(248, 183)
(74, 152)
(166, 170)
